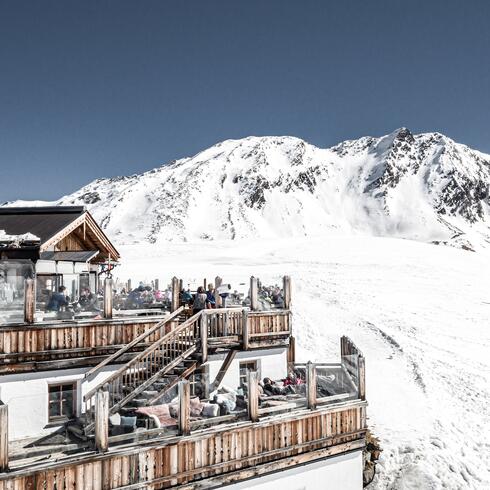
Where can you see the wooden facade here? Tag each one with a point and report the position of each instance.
(205, 458)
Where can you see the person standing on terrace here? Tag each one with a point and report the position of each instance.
(200, 300)
(211, 298)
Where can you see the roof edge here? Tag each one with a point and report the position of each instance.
(43, 210)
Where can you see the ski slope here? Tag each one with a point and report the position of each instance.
(419, 312)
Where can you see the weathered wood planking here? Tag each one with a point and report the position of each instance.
(269, 322)
(208, 453)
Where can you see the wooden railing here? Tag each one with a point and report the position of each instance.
(269, 322)
(224, 322)
(214, 456)
(145, 368)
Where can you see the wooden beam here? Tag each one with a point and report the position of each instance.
(291, 350)
(29, 300)
(157, 285)
(184, 407)
(245, 330)
(4, 438)
(311, 385)
(223, 369)
(218, 281)
(254, 301)
(286, 286)
(362, 377)
(102, 421)
(175, 294)
(108, 297)
(203, 327)
(253, 395)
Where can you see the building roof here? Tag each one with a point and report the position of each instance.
(43, 222)
(76, 256)
(56, 224)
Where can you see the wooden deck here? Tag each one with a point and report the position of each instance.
(63, 344)
(207, 458)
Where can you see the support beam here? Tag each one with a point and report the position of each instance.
(29, 300)
(362, 377)
(292, 350)
(102, 421)
(203, 327)
(311, 385)
(157, 285)
(4, 438)
(254, 293)
(245, 330)
(129, 286)
(253, 395)
(175, 294)
(108, 297)
(286, 286)
(223, 369)
(218, 281)
(184, 407)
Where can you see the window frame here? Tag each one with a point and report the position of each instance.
(62, 418)
(242, 378)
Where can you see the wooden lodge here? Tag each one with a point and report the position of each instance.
(175, 400)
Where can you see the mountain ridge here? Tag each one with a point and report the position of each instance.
(424, 187)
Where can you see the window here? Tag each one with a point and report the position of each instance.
(62, 401)
(245, 367)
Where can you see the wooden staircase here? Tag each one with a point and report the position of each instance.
(149, 376)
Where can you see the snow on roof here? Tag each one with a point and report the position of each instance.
(17, 240)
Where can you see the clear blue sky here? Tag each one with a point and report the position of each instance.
(101, 88)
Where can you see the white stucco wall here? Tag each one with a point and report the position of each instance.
(27, 398)
(270, 362)
(342, 472)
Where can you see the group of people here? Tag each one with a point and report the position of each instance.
(59, 301)
(204, 299)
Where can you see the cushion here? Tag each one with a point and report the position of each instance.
(210, 410)
(196, 407)
(128, 421)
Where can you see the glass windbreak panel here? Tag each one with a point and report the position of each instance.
(12, 276)
(337, 382)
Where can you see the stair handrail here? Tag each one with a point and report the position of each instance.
(131, 344)
(143, 354)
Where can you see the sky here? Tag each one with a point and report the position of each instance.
(92, 89)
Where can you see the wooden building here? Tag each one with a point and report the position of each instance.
(175, 400)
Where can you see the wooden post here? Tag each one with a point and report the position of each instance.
(253, 395)
(203, 326)
(175, 294)
(4, 438)
(292, 350)
(129, 285)
(245, 330)
(29, 300)
(254, 302)
(311, 385)
(181, 285)
(157, 285)
(286, 286)
(108, 297)
(205, 283)
(361, 366)
(184, 407)
(102, 421)
(218, 281)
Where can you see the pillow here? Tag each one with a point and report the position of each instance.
(128, 421)
(210, 410)
(196, 407)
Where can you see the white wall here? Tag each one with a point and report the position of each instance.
(27, 398)
(270, 362)
(342, 472)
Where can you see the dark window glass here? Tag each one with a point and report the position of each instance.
(62, 401)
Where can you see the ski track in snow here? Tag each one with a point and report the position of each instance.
(420, 313)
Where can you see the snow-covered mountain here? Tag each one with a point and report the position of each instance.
(424, 187)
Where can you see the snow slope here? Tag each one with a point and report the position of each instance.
(424, 187)
(419, 312)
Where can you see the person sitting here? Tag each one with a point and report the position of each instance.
(211, 298)
(88, 300)
(200, 300)
(186, 297)
(58, 300)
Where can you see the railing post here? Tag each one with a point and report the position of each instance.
(157, 285)
(129, 286)
(253, 395)
(108, 297)
(29, 300)
(4, 438)
(184, 407)
(203, 327)
(361, 366)
(254, 303)
(292, 350)
(218, 281)
(102, 420)
(286, 286)
(311, 385)
(245, 330)
(175, 294)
